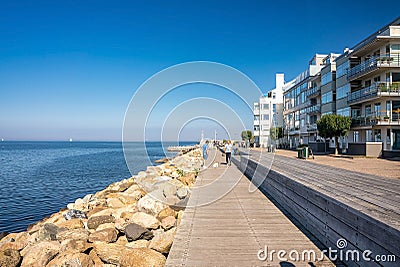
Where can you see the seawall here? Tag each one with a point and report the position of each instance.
(329, 217)
(129, 223)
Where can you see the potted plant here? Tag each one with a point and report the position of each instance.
(386, 118)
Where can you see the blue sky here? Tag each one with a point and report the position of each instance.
(70, 68)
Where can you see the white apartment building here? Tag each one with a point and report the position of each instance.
(268, 112)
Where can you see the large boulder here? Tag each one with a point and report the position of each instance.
(74, 214)
(168, 222)
(162, 241)
(75, 245)
(182, 192)
(40, 254)
(145, 220)
(141, 243)
(10, 258)
(48, 232)
(71, 260)
(72, 224)
(107, 235)
(115, 203)
(15, 241)
(150, 205)
(109, 252)
(76, 234)
(165, 213)
(134, 232)
(95, 221)
(138, 257)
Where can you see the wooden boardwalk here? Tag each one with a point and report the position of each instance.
(232, 230)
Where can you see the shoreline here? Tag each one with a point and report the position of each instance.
(129, 222)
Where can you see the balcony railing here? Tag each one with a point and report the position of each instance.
(312, 127)
(313, 91)
(375, 90)
(377, 118)
(314, 109)
(375, 62)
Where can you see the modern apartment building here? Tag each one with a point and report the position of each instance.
(368, 90)
(268, 112)
(311, 92)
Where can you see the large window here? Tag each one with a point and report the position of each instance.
(342, 69)
(343, 112)
(265, 106)
(377, 109)
(342, 91)
(327, 97)
(265, 117)
(395, 47)
(377, 135)
(326, 78)
(368, 110)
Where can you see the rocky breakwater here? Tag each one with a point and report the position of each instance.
(129, 223)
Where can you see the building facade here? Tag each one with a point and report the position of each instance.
(304, 100)
(363, 83)
(268, 113)
(370, 77)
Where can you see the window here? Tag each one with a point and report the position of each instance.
(265, 106)
(274, 108)
(395, 47)
(327, 97)
(368, 110)
(342, 91)
(343, 112)
(355, 136)
(388, 107)
(326, 78)
(256, 128)
(256, 117)
(368, 135)
(342, 69)
(377, 135)
(377, 109)
(395, 77)
(265, 117)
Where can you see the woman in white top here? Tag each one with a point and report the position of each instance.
(228, 152)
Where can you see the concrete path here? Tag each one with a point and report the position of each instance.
(232, 230)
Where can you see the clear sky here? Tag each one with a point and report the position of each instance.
(70, 68)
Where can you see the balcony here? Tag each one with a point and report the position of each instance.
(313, 92)
(374, 91)
(312, 127)
(314, 109)
(380, 118)
(374, 63)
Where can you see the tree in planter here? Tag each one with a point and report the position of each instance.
(333, 126)
(247, 136)
(276, 133)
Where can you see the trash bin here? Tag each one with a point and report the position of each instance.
(300, 153)
(305, 152)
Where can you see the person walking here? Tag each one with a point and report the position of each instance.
(205, 153)
(228, 152)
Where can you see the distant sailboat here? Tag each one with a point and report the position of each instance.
(2, 140)
(70, 139)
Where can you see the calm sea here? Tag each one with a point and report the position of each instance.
(39, 178)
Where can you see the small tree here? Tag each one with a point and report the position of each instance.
(247, 135)
(276, 133)
(332, 125)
